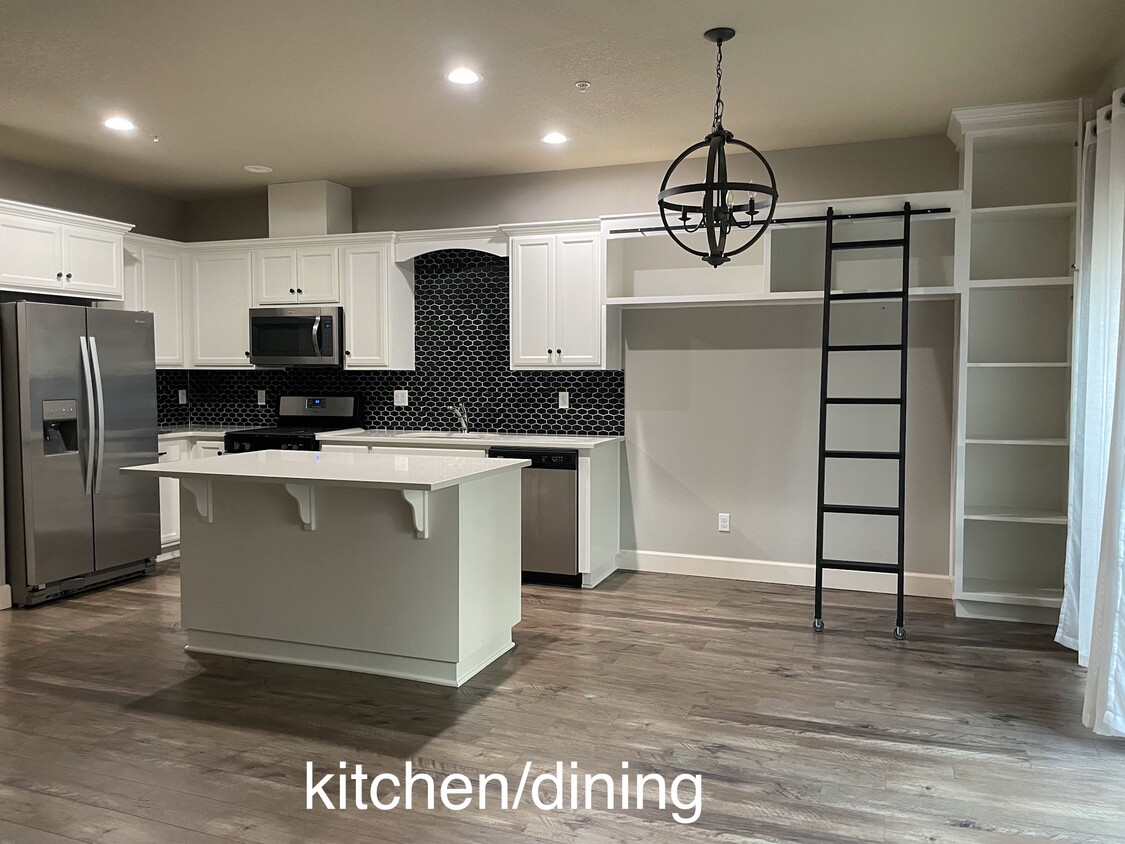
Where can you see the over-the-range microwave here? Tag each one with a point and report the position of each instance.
(296, 336)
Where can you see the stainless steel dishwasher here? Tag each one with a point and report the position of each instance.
(550, 514)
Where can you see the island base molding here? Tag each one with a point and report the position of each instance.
(345, 659)
(918, 585)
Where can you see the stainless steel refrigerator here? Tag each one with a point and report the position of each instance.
(79, 400)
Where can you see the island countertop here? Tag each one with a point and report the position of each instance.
(382, 470)
(456, 439)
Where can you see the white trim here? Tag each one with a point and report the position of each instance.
(1019, 613)
(54, 215)
(962, 121)
(557, 227)
(594, 578)
(410, 245)
(772, 571)
(5, 596)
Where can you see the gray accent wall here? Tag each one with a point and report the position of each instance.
(150, 213)
(722, 415)
(865, 169)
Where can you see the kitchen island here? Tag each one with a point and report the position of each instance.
(404, 565)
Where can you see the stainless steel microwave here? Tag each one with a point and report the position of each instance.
(296, 336)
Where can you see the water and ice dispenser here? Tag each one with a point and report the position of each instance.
(60, 426)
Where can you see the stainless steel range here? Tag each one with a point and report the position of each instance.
(301, 418)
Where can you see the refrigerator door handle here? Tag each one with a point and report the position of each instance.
(90, 422)
(101, 413)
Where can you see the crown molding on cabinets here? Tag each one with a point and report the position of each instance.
(491, 239)
(68, 218)
(1001, 118)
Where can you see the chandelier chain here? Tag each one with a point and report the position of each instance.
(718, 120)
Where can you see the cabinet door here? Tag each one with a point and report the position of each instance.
(365, 306)
(163, 295)
(532, 342)
(275, 276)
(221, 308)
(132, 280)
(170, 494)
(578, 300)
(30, 253)
(318, 275)
(92, 262)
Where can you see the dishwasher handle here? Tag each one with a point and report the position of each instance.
(540, 458)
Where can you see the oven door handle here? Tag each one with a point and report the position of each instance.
(316, 336)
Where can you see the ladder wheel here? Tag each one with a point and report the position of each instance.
(818, 625)
(900, 633)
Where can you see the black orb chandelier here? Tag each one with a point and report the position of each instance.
(717, 205)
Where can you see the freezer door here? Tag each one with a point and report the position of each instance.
(49, 507)
(126, 506)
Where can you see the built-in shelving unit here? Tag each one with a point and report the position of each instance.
(1020, 178)
(646, 269)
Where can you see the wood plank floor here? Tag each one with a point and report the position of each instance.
(968, 732)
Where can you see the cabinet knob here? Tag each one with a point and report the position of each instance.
(247, 354)
(346, 352)
(68, 275)
(558, 351)
(299, 290)
(291, 290)
(58, 275)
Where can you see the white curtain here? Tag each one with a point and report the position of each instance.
(1092, 620)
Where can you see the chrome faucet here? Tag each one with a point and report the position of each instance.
(462, 415)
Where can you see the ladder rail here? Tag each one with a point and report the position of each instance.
(897, 568)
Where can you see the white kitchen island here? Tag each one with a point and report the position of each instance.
(398, 564)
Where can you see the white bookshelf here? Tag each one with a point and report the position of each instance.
(1020, 177)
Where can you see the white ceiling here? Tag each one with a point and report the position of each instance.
(353, 90)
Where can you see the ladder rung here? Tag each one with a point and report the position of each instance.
(869, 244)
(850, 400)
(867, 294)
(861, 510)
(866, 347)
(863, 455)
(858, 565)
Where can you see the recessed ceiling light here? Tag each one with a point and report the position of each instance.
(582, 85)
(463, 76)
(257, 168)
(554, 138)
(121, 124)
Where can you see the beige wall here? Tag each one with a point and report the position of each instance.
(864, 169)
(722, 415)
(1113, 80)
(150, 213)
(227, 217)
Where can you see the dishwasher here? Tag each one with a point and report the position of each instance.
(550, 514)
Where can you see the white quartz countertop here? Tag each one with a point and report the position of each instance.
(450, 439)
(169, 432)
(377, 470)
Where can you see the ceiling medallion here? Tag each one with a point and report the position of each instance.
(719, 205)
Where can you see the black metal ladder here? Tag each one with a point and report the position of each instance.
(827, 348)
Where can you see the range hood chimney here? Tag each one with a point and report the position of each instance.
(299, 209)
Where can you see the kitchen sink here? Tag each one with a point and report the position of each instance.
(453, 435)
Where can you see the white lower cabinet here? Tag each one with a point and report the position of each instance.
(220, 308)
(206, 448)
(170, 452)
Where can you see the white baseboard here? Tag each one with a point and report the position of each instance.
(793, 574)
(1006, 612)
(5, 596)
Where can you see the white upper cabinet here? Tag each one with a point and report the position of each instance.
(290, 276)
(92, 262)
(61, 253)
(30, 253)
(153, 282)
(164, 296)
(220, 303)
(378, 305)
(557, 313)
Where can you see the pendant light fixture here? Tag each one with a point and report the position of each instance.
(717, 204)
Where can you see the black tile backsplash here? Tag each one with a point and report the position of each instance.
(169, 411)
(461, 336)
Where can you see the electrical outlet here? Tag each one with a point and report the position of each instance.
(402, 398)
(181, 396)
(724, 522)
(564, 400)
(261, 398)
